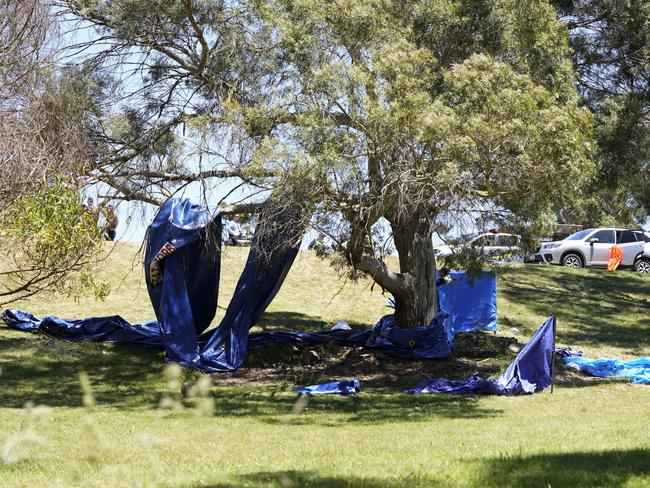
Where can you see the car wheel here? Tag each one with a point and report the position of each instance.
(642, 265)
(572, 260)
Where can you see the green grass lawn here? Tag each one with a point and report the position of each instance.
(243, 433)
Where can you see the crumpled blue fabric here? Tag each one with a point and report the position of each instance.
(638, 370)
(182, 264)
(345, 387)
(224, 347)
(530, 372)
(112, 329)
(429, 342)
(183, 256)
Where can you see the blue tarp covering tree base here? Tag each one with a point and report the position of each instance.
(417, 343)
(530, 372)
(471, 302)
(638, 370)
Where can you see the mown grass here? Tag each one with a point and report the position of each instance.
(587, 433)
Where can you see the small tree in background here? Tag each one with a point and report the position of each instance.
(45, 234)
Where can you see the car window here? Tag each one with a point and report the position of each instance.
(483, 241)
(604, 236)
(625, 236)
(640, 236)
(506, 240)
(578, 236)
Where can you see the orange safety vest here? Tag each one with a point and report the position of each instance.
(615, 258)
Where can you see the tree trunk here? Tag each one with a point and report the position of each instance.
(416, 300)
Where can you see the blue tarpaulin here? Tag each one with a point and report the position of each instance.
(638, 370)
(98, 329)
(471, 302)
(417, 343)
(530, 372)
(175, 294)
(182, 264)
(345, 387)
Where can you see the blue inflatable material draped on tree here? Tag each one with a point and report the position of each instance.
(182, 267)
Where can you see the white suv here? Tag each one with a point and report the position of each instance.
(642, 264)
(592, 247)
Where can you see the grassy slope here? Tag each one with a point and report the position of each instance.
(586, 433)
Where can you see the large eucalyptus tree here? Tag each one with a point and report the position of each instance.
(359, 111)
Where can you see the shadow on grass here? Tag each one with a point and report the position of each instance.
(600, 468)
(336, 411)
(297, 322)
(43, 370)
(594, 303)
(312, 479)
(605, 469)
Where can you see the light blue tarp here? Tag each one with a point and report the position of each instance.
(470, 303)
(638, 370)
(530, 372)
(345, 387)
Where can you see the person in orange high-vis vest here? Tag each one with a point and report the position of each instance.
(615, 258)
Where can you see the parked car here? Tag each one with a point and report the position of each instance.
(642, 264)
(561, 232)
(592, 247)
(492, 244)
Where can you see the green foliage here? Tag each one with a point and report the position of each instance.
(52, 222)
(417, 112)
(47, 237)
(462, 103)
(610, 43)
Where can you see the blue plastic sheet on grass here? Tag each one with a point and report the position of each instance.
(470, 302)
(98, 329)
(345, 387)
(638, 370)
(530, 372)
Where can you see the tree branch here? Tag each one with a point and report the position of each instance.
(379, 272)
(199, 35)
(241, 208)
